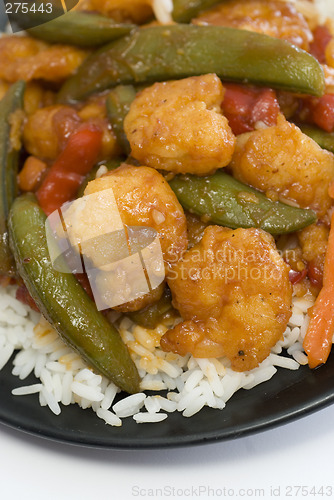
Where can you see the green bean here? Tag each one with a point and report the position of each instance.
(63, 301)
(152, 315)
(185, 10)
(324, 139)
(170, 52)
(223, 200)
(118, 104)
(9, 159)
(81, 29)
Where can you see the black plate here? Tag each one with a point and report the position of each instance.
(287, 396)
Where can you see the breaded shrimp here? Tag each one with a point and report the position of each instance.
(36, 97)
(136, 11)
(234, 295)
(313, 241)
(47, 129)
(274, 18)
(284, 162)
(24, 58)
(143, 198)
(178, 126)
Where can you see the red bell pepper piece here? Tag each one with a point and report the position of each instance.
(72, 165)
(244, 106)
(322, 112)
(321, 38)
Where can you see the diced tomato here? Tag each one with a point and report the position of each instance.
(297, 276)
(321, 38)
(322, 112)
(317, 111)
(67, 173)
(315, 274)
(244, 106)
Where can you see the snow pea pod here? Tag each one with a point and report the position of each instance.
(63, 301)
(81, 29)
(10, 107)
(324, 139)
(185, 10)
(152, 315)
(162, 53)
(118, 105)
(223, 200)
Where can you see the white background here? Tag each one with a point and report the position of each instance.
(264, 465)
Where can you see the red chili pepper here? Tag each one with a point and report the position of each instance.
(67, 173)
(244, 106)
(321, 38)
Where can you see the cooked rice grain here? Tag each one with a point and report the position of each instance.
(190, 383)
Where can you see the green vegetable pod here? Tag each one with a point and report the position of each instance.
(152, 315)
(118, 105)
(223, 200)
(9, 159)
(324, 139)
(62, 300)
(81, 29)
(162, 53)
(185, 10)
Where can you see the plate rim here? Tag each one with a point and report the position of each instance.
(121, 442)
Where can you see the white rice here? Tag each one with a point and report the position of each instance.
(163, 10)
(190, 384)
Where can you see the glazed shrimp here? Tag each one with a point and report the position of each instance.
(178, 126)
(143, 198)
(24, 58)
(273, 18)
(234, 295)
(285, 164)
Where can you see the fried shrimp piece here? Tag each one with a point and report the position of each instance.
(196, 227)
(285, 163)
(178, 126)
(137, 11)
(94, 111)
(24, 58)
(36, 97)
(313, 241)
(143, 198)
(234, 295)
(274, 18)
(46, 130)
